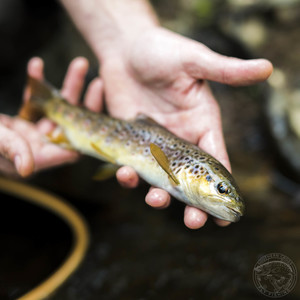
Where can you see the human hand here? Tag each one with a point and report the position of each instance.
(23, 147)
(162, 74)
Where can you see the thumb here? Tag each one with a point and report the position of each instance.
(203, 63)
(14, 148)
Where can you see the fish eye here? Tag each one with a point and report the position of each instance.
(222, 189)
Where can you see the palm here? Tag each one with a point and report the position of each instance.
(161, 74)
(158, 82)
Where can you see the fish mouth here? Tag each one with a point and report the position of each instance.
(235, 212)
(216, 207)
(230, 213)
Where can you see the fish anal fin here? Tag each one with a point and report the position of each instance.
(105, 171)
(163, 161)
(103, 154)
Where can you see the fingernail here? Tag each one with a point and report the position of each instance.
(18, 163)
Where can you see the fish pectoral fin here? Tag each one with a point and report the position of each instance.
(105, 171)
(57, 136)
(103, 154)
(163, 161)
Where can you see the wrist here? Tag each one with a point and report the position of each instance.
(121, 27)
(110, 25)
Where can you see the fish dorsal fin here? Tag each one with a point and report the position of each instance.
(142, 118)
(103, 154)
(163, 161)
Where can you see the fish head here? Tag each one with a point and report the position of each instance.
(215, 192)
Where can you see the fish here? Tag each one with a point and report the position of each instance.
(158, 156)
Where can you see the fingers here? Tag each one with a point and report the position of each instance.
(194, 218)
(222, 223)
(158, 198)
(94, 95)
(45, 126)
(35, 68)
(48, 155)
(14, 148)
(127, 177)
(213, 143)
(73, 83)
(210, 132)
(74, 80)
(203, 63)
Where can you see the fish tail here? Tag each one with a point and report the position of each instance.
(40, 92)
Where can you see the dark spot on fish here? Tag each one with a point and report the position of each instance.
(181, 157)
(187, 158)
(183, 146)
(178, 171)
(198, 176)
(191, 171)
(174, 145)
(187, 151)
(202, 158)
(196, 172)
(190, 161)
(217, 169)
(197, 166)
(180, 164)
(173, 164)
(208, 178)
(187, 166)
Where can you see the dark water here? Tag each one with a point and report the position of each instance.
(137, 252)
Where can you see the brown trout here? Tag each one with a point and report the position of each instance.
(158, 156)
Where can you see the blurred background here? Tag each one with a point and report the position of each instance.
(137, 252)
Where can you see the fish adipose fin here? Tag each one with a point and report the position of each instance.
(39, 92)
(103, 154)
(105, 171)
(163, 161)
